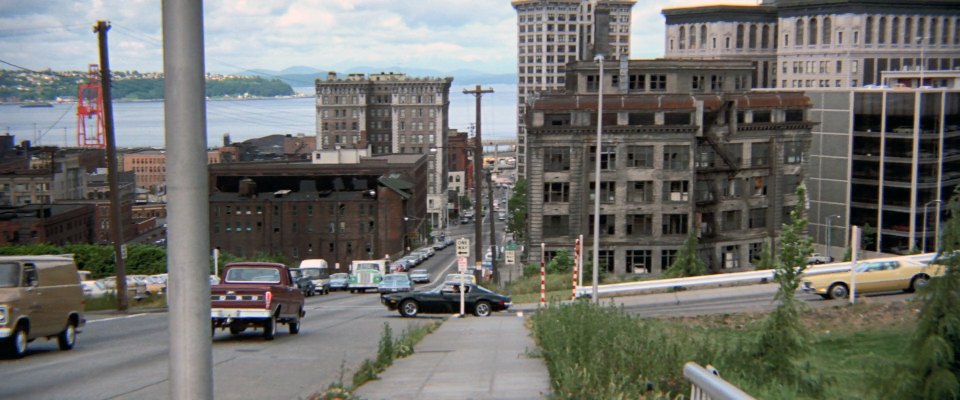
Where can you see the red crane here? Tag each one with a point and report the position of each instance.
(90, 131)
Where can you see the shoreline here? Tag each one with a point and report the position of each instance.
(55, 102)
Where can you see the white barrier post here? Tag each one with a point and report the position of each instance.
(576, 267)
(855, 245)
(543, 275)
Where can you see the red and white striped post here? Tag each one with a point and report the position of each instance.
(543, 275)
(576, 268)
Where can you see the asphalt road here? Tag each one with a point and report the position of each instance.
(126, 356)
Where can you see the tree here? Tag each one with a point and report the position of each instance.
(688, 262)
(936, 343)
(766, 259)
(517, 204)
(561, 262)
(783, 340)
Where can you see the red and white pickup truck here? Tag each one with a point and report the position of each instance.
(256, 295)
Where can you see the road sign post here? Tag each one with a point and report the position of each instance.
(462, 268)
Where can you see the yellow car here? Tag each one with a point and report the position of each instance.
(873, 276)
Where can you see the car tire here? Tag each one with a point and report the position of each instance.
(68, 337)
(16, 345)
(917, 282)
(838, 291)
(270, 328)
(409, 308)
(294, 326)
(236, 330)
(482, 309)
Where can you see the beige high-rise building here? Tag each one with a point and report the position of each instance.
(820, 43)
(391, 113)
(552, 33)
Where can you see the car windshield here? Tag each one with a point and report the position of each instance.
(259, 275)
(311, 272)
(339, 276)
(395, 278)
(419, 271)
(9, 275)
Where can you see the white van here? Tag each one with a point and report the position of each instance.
(317, 270)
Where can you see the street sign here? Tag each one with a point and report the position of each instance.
(123, 251)
(462, 264)
(463, 247)
(510, 257)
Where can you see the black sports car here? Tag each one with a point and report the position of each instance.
(446, 299)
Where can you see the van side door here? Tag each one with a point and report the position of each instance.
(38, 312)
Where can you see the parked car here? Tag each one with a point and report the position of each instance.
(439, 245)
(816, 258)
(873, 276)
(135, 289)
(393, 283)
(41, 298)
(446, 299)
(420, 276)
(339, 281)
(455, 278)
(449, 241)
(304, 283)
(150, 284)
(93, 289)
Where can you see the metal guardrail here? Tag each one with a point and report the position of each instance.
(764, 275)
(706, 384)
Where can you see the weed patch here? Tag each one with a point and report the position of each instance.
(389, 349)
(596, 351)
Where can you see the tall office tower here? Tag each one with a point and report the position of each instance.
(552, 33)
(820, 43)
(390, 113)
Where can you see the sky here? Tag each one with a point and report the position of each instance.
(444, 35)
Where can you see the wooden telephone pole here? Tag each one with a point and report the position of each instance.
(477, 170)
(116, 222)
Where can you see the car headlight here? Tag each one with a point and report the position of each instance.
(3, 315)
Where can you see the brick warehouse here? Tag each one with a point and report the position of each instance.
(353, 209)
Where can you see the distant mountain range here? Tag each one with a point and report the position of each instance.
(300, 76)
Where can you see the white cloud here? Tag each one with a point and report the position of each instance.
(254, 34)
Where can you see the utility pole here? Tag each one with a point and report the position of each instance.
(493, 233)
(477, 170)
(116, 224)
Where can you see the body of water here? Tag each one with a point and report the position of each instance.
(140, 124)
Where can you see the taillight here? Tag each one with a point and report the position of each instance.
(269, 297)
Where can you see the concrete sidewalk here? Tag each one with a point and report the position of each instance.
(467, 358)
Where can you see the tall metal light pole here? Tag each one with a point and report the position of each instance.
(923, 246)
(830, 235)
(188, 235)
(596, 192)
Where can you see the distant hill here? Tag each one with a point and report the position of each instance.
(301, 76)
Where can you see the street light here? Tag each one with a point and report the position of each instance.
(924, 240)
(596, 194)
(405, 233)
(829, 235)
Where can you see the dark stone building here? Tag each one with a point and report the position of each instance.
(342, 207)
(685, 148)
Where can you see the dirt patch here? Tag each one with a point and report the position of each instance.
(834, 317)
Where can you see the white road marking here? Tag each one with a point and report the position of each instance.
(90, 321)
